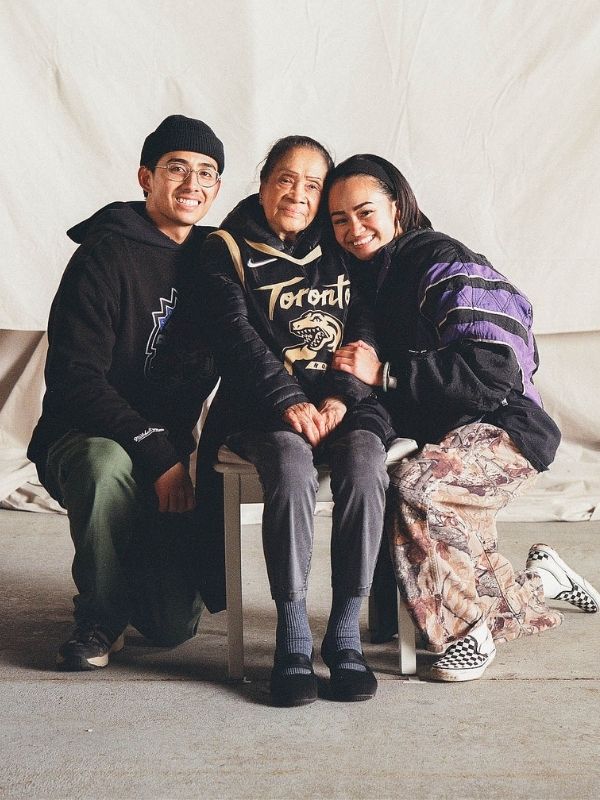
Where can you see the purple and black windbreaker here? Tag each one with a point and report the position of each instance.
(458, 336)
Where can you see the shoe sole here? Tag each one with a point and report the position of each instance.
(461, 675)
(82, 664)
(351, 698)
(289, 699)
(569, 572)
(286, 702)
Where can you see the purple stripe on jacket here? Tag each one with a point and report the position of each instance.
(514, 306)
(495, 301)
(443, 271)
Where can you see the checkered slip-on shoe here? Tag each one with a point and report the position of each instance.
(467, 658)
(560, 581)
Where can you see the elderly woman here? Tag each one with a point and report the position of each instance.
(276, 307)
(455, 369)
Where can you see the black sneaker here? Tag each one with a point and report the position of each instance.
(88, 648)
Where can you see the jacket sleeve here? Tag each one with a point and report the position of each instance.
(359, 325)
(82, 331)
(240, 349)
(472, 377)
(481, 326)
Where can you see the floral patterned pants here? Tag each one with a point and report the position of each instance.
(441, 523)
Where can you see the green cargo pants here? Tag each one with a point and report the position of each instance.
(132, 564)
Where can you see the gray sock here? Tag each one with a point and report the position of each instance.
(293, 632)
(343, 631)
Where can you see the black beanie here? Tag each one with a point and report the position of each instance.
(182, 133)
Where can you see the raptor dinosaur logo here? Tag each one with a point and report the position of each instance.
(317, 330)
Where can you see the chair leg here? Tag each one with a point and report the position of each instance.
(233, 576)
(407, 653)
(407, 650)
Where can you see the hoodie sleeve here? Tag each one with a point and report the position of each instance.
(82, 332)
(239, 348)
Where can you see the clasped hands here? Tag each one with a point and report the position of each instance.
(315, 423)
(358, 358)
(174, 488)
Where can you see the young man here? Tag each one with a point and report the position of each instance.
(116, 430)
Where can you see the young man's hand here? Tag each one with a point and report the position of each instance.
(174, 490)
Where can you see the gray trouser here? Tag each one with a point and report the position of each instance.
(359, 480)
(131, 563)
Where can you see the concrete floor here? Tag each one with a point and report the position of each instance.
(167, 724)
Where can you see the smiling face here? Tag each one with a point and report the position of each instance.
(364, 218)
(175, 207)
(290, 195)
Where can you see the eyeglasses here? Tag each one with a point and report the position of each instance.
(206, 176)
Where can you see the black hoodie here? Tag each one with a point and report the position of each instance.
(110, 371)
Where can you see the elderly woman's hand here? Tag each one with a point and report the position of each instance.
(361, 360)
(333, 410)
(306, 419)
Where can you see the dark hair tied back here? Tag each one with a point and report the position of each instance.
(391, 182)
(284, 145)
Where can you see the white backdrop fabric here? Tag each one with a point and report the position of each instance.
(491, 109)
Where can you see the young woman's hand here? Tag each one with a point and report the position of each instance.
(361, 360)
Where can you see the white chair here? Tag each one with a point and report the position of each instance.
(241, 485)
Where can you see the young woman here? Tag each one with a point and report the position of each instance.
(275, 308)
(454, 366)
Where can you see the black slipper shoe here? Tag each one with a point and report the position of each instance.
(293, 690)
(349, 685)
